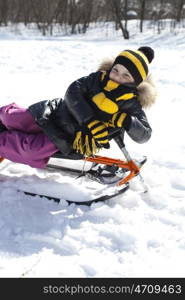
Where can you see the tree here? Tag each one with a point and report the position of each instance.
(142, 13)
(3, 12)
(180, 6)
(118, 14)
(44, 14)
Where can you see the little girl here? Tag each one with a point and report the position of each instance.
(112, 97)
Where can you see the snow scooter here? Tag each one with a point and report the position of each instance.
(113, 174)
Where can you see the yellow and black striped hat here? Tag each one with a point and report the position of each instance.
(136, 62)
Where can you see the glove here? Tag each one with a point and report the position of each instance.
(99, 133)
(91, 138)
(117, 120)
(120, 120)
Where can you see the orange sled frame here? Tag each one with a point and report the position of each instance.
(128, 164)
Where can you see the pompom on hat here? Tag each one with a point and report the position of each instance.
(136, 62)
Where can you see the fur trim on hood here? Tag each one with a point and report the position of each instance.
(147, 91)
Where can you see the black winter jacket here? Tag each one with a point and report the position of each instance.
(60, 119)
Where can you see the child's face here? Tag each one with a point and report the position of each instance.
(120, 74)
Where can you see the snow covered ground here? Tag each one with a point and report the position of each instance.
(134, 235)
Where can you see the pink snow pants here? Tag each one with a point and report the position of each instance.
(24, 142)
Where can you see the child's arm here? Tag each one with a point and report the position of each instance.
(135, 123)
(138, 128)
(76, 101)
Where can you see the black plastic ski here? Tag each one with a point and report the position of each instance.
(88, 203)
(51, 166)
(65, 169)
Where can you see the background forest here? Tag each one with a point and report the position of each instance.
(76, 16)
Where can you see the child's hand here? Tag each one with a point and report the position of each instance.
(117, 120)
(120, 120)
(91, 138)
(99, 132)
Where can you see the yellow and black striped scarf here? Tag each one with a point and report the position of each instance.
(112, 97)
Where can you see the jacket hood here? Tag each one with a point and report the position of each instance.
(147, 91)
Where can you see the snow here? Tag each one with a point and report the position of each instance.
(134, 235)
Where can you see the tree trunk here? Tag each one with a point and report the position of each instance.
(179, 10)
(142, 14)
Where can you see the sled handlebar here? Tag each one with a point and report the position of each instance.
(118, 135)
(119, 141)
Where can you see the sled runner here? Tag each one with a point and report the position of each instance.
(112, 175)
